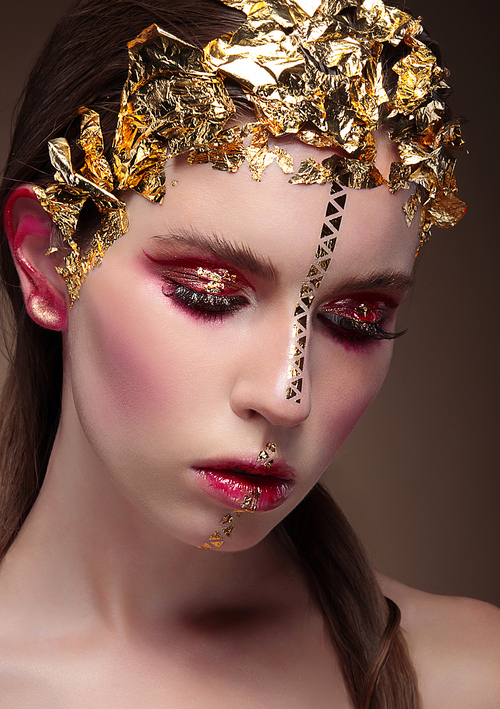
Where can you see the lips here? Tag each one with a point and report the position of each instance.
(230, 482)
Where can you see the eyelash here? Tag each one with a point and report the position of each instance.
(351, 330)
(208, 305)
(211, 306)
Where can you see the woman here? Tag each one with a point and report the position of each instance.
(223, 330)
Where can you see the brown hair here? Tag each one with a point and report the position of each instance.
(85, 63)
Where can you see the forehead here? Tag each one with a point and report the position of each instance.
(277, 218)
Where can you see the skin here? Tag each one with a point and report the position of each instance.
(106, 599)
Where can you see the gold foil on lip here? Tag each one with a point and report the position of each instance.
(249, 503)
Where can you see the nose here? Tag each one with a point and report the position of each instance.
(263, 381)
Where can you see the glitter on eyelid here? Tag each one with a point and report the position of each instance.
(362, 310)
(217, 280)
(328, 239)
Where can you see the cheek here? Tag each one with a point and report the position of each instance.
(121, 371)
(344, 390)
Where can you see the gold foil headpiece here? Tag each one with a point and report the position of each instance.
(311, 68)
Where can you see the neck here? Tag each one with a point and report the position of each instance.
(87, 554)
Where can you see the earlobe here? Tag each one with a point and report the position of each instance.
(28, 227)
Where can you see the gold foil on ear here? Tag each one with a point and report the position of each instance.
(66, 197)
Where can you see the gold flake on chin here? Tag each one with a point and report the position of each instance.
(315, 275)
(249, 504)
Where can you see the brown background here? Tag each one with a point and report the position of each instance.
(419, 478)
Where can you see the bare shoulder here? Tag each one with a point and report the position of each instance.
(455, 645)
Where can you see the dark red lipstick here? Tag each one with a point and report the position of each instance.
(231, 481)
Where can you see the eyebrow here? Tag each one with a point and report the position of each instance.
(244, 257)
(239, 255)
(394, 280)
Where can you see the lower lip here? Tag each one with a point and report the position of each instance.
(231, 488)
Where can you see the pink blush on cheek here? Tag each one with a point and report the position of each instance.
(129, 375)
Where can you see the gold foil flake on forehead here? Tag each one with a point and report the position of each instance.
(259, 155)
(71, 191)
(324, 251)
(226, 152)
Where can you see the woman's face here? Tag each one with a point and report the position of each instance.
(179, 348)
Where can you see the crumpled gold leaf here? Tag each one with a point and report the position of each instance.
(171, 102)
(65, 199)
(399, 175)
(353, 173)
(96, 168)
(310, 172)
(259, 156)
(226, 152)
(410, 208)
(308, 69)
(445, 209)
(418, 74)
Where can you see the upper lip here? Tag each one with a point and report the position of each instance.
(249, 466)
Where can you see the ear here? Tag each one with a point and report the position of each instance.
(28, 227)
